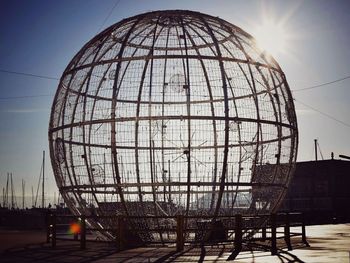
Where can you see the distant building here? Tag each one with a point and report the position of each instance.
(321, 189)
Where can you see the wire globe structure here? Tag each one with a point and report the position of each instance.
(172, 113)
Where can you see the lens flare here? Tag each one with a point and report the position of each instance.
(74, 228)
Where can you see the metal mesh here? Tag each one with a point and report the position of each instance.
(172, 112)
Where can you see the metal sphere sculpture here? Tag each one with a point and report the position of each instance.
(168, 113)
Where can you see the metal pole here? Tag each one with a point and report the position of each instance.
(273, 234)
(12, 194)
(32, 196)
(53, 230)
(180, 233)
(7, 191)
(120, 232)
(303, 230)
(342, 156)
(315, 149)
(43, 183)
(263, 233)
(104, 176)
(83, 233)
(23, 193)
(3, 197)
(287, 232)
(48, 226)
(238, 233)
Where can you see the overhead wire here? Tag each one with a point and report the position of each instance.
(323, 113)
(55, 78)
(28, 74)
(26, 97)
(319, 149)
(48, 77)
(322, 84)
(108, 15)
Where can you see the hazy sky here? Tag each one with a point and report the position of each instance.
(41, 37)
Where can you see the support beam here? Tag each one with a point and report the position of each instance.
(238, 233)
(83, 233)
(53, 230)
(273, 248)
(287, 231)
(120, 238)
(180, 233)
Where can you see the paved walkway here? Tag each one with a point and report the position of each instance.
(328, 243)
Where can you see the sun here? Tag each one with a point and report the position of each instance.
(271, 37)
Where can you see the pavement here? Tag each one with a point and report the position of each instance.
(328, 243)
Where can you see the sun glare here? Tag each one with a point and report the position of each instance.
(271, 37)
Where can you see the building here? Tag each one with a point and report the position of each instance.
(320, 189)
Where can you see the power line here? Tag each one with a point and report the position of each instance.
(322, 84)
(55, 78)
(28, 74)
(25, 97)
(107, 17)
(323, 113)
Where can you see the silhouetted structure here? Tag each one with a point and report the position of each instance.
(320, 189)
(171, 113)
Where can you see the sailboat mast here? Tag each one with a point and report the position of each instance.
(32, 196)
(3, 197)
(23, 193)
(43, 183)
(12, 200)
(7, 191)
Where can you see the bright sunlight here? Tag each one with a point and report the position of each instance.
(271, 37)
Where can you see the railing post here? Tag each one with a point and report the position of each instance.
(76, 234)
(120, 232)
(48, 226)
(83, 233)
(263, 233)
(238, 237)
(238, 233)
(273, 234)
(287, 231)
(53, 230)
(179, 233)
(303, 230)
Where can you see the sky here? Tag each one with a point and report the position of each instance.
(40, 37)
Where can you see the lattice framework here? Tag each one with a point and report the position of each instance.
(172, 112)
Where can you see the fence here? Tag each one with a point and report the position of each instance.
(238, 229)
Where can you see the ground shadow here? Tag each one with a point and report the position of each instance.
(226, 253)
(71, 252)
(102, 252)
